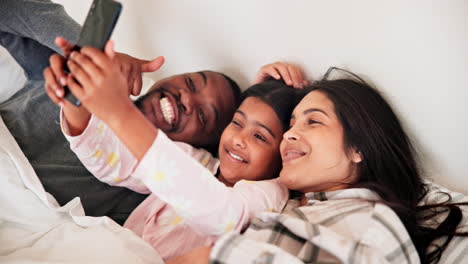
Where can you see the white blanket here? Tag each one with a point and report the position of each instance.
(35, 229)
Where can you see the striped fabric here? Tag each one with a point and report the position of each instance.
(345, 226)
(457, 250)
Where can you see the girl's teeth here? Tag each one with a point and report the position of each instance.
(236, 157)
(167, 110)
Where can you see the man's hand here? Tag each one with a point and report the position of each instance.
(291, 74)
(132, 68)
(54, 75)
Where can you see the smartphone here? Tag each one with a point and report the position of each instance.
(96, 31)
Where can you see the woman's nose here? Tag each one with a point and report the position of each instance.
(290, 135)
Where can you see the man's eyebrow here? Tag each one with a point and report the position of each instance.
(258, 123)
(310, 110)
(203, 75)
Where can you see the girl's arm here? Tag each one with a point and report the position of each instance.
(102, 88)
(100, 151)
(104, 155)
(206, 204)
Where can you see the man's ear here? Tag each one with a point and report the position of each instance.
(355, 155)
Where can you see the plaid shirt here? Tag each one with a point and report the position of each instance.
(345, 226)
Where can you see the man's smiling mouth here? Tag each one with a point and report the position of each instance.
(167, 110)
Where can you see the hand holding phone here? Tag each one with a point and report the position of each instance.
(96, 31)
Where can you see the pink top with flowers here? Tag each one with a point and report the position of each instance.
(188, 207)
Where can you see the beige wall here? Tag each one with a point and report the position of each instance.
(415, 51)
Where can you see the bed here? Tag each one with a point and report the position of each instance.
(35, 229)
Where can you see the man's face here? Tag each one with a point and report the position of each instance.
(191, 107)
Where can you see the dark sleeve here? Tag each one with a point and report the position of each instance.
(28, 29)
(40, 20)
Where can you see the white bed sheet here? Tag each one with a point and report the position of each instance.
(35, 229)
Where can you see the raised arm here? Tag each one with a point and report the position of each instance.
(291, 74)
(130, 69)
(102, 153)
(206, 204)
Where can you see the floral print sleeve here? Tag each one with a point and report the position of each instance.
(205, 203)
(109, 160)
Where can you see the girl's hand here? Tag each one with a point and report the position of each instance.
(131, 67)
(96, 80)
(291, 74)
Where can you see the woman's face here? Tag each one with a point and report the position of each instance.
(313, 151)
(249, 145)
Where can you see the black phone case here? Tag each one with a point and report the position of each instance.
(96, 31)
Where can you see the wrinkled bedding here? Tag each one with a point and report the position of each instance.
(35, 229)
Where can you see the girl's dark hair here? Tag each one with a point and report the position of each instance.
(277, 95)
(389, 163)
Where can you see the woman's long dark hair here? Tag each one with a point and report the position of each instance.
(390, 164)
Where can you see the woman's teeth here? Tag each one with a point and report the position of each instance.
(290, 155)
(236, 157)
(167, 110)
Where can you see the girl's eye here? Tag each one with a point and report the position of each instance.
(190, 84)
(260, 137)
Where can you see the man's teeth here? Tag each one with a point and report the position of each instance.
(167, 110)
(236, 157)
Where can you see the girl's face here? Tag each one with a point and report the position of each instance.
(313, 150)
(249, 145)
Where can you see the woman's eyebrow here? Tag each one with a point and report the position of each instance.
(311, 110)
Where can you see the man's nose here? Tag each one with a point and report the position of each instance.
(186, 101)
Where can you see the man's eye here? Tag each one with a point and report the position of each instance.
(191, 84)
(202, 117)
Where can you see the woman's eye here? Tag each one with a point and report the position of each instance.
(236, 123)
(258, 136)
(311, 122)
